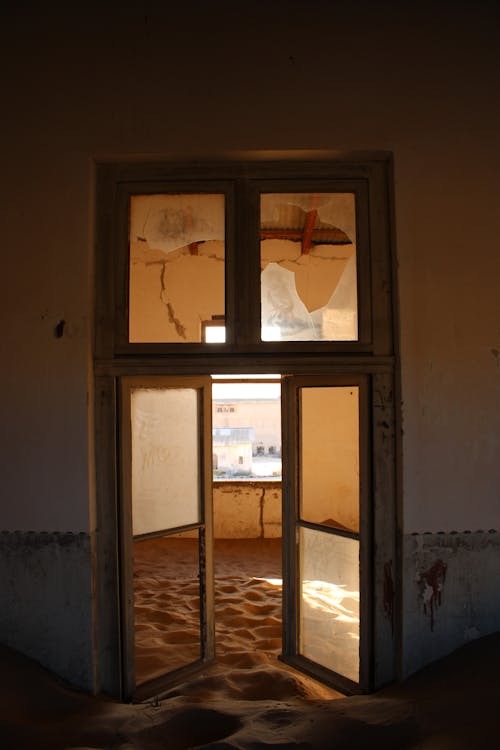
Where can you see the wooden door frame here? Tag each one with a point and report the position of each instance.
(378, 360)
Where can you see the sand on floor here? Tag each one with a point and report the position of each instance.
(167, 602)
(248, 699)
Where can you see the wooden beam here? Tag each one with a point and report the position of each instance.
(308, 231)
(329, 235)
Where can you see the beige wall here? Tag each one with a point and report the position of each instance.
(247, 510)
(147, 83)
(236, 457)
(264, 417)
(170, 296)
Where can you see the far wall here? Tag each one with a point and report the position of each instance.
(247, 510)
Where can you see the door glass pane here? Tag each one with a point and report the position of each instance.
(308, 265)
(165, 458)
(329, 456)
(176, 270)
(166, 604)
(329, 601)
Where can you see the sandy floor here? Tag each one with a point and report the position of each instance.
(249, 700)
(167, 607)
(247, 607)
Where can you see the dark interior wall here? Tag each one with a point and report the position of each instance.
(208, 79)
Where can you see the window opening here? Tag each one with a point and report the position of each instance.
(308, 267)
(214, 331)
(176, 267)
(246, 430)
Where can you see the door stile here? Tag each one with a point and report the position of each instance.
(289, 513)
(125, 543)
(206, 553)
(366, 557)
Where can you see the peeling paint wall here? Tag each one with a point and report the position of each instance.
(450, 593)
(46, 601)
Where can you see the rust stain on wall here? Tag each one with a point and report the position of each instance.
(389, 594)
(432, 581)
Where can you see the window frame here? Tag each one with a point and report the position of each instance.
(242, 185)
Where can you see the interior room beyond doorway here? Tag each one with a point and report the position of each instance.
(246, 450)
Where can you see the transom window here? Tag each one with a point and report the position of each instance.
(243, 261)
(177, 267)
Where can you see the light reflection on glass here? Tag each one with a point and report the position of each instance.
(329, 601)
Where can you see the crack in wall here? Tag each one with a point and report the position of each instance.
(261, 511)
(298, 261)
(179, 328)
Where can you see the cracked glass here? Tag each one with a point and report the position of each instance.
(308, 267)
(176, 267)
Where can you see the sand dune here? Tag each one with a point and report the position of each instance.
(451, 705)
(167, 605)
(247, 700)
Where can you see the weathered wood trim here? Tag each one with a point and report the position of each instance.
(236, 363)
(387, 605)
(107, 566)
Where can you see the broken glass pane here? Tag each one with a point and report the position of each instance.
(308, 265)
(176, 266)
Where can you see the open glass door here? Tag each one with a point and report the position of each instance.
(327, 530)
(166, 518)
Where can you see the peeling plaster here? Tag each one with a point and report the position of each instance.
(469, 562)
(247, 510)
(46, 600)
(389, 594)
(432, 582)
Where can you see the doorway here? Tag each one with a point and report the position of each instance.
(200, 583)
(169, 604)
(247, 501)
(262, 266)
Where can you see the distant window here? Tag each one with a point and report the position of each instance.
(246, 419)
